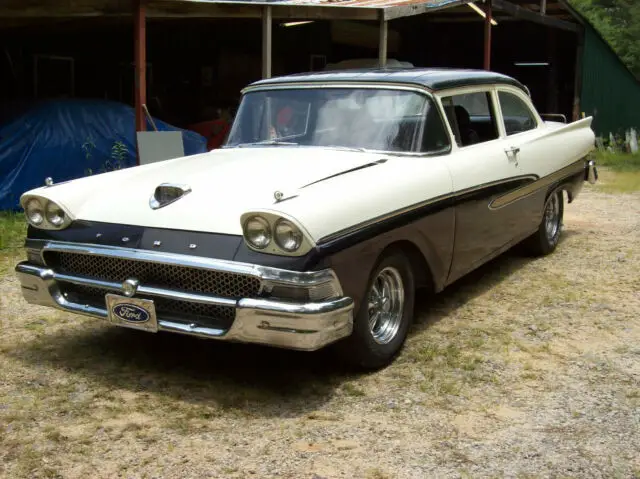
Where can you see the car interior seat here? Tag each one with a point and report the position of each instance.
(468, 136)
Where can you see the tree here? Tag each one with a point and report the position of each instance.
(618, 21)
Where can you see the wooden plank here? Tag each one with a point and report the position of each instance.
(524, 14)
(267, 37)
(391, 13)
(577, 81)
(140, 58)
(382, 47)
(279, 12)
(487, 35)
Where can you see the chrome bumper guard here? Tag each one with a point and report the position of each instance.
(294, 325)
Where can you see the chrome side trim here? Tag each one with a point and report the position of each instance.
(536, 184)
(543, 182)
(413, 207)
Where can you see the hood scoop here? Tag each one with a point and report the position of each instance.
(167, 193)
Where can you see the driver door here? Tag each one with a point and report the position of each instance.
(481, 173)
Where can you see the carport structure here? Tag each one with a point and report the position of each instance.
(538, 41)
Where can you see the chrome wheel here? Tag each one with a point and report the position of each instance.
(552, 217)
(386, 305)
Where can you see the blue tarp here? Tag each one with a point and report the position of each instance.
(67, 139)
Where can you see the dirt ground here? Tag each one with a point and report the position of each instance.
(526, 368)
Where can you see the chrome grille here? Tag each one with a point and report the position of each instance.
(229, 285)
(182, 311)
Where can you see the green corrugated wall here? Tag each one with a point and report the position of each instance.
(609, 91)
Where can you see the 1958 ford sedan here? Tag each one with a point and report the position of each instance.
(335, 197)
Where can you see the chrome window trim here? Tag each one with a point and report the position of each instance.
(340, 84)
(367, 85)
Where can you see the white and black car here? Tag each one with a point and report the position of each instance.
(336, 195)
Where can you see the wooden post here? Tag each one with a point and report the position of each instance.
(487, 36)
(140, 59)
(577, 81)
(382, 46)
(552, 74)
(266, 41)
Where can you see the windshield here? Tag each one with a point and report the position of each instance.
(361, 118)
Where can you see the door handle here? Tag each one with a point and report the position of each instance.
(512, 154)
(514, 150)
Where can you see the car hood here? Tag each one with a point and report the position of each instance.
(224, 184)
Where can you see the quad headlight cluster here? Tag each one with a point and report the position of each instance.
(270, 233)
(45, 214)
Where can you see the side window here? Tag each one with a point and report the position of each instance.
(517, 115)
(472, 117)
(434, 137)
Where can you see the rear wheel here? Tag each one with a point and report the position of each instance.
(381, 325)
(545, 240)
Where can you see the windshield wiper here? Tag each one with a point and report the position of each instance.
(347, 148)
(270, 142)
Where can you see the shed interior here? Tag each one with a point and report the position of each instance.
(197, 65)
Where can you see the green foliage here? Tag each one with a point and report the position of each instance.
(119, 153)
(618, 21)
(117, 157)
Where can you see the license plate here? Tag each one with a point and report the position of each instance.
(132, 313)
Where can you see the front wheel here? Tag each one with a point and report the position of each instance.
(381, 325)
(545, 240)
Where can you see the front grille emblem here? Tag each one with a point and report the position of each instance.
(130, 287)
(167, 193)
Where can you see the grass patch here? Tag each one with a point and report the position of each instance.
(350, 389)
(13, 229)
(619, 162)
(618, 181)
(619, 172)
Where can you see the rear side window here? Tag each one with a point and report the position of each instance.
(517, 115)
(472, 117)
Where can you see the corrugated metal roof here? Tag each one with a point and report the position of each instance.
(378, 4)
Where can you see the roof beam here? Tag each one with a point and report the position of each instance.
(391, 13)
(280, 12)
(528, 15)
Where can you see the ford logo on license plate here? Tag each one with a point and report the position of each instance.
(131, 313)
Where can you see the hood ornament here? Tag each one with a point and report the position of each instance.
(279, 196)
(167, 193)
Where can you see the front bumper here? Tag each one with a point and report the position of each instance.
(301, 325)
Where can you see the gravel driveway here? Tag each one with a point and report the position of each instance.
(526, 368)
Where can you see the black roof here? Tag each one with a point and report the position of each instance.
(431, 78)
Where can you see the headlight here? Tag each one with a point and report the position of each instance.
(34, 212)
(272, 233)
(45, 214)
(257, 232)
(54, 214)
(287, 236)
